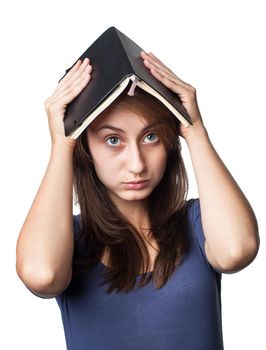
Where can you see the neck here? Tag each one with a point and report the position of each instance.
(136, 213)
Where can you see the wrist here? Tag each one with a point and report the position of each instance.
(64, 144)
(196, 132)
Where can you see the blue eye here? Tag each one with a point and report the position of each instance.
(151, 137)
(113, 140)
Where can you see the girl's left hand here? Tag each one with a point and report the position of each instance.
(186, 92)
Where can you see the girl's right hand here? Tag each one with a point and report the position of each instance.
(68, 88)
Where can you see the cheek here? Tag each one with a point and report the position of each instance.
(163, 165)
(102, 168)
(100, 162)
(106, 170)
(159, 164)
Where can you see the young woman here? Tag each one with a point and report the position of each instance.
(141, 266)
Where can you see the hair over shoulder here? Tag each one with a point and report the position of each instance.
(103, 225)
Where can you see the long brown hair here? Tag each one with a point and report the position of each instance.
(104, 226)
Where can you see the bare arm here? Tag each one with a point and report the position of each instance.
(229, 224)
(45, 243)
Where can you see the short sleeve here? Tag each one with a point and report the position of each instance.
(194, 214)
(78, 246)
(76, 227)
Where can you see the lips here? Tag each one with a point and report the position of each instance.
(136, 185)
(136, 182)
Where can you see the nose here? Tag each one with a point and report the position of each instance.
(135, 160)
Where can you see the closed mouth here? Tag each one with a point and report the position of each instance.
(136, 185)
(135, 182)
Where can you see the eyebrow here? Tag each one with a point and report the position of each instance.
(114, 128)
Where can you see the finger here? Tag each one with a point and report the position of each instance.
(75, 87)
(75, 81)
(65, 96)
(155, 60)
(76, 70)
(82, 71)
(149, 62)
(81, 65)
(164, 73)
(72, 70)
(152, 60)
(170, 83)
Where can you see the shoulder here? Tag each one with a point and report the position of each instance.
(79, 245)
(193, 213)
(76, 224)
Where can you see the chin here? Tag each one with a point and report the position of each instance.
(134, 197)
(131, 196)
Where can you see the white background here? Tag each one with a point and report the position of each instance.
(218, 47)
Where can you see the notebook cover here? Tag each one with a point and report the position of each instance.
(113, 56)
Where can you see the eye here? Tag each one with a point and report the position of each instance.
(151, 137)
(113, 140)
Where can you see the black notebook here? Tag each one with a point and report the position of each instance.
(116, 64)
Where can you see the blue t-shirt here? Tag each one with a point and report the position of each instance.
(185, 314)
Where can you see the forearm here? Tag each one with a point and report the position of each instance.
(45, 244)
(228, 220)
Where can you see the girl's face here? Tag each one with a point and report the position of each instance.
(128, 155)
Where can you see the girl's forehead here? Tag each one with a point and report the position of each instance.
(120, 117)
